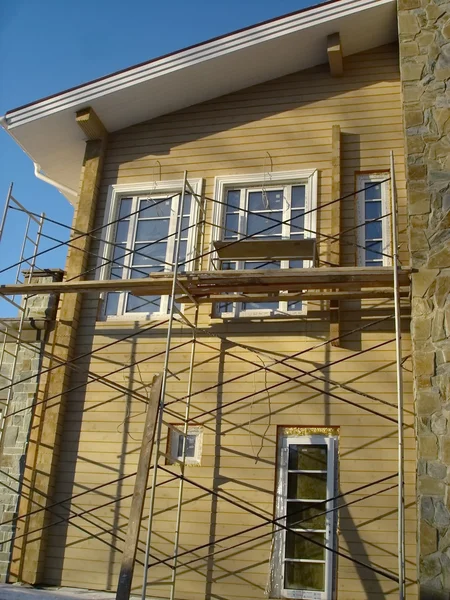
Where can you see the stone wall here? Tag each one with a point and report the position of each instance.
(424, 29)
(39, 315)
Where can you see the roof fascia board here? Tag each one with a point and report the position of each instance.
(189, 57)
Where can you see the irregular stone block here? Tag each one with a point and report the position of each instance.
(430, 566)
(428, 401)
(428, 539)
(428, 447)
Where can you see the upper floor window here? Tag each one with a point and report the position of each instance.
(306, 487)
(143, 242)
(374, 236)
(279, 208)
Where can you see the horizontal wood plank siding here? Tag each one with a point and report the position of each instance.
(290, 120)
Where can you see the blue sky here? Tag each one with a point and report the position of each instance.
(49, 45)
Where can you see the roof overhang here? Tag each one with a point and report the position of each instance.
(47, 129)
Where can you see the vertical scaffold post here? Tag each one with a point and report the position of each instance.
(398, 348)
(179, 221)
(183, 458)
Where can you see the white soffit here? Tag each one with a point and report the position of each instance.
(47, 129)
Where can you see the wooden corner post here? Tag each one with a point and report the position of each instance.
(28, 556)
(335, 246)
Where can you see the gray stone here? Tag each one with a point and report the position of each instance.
(441, 515)
(439, 424)
(427, 509)
(430, 566)
(437, 470)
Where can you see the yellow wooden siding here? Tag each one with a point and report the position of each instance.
(291, 119)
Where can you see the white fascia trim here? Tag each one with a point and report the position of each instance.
(190, 57)
(117, 190)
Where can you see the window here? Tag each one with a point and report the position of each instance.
(269, 210)
(192, 444)
(374, 237)
(143, 242)
(306, 480)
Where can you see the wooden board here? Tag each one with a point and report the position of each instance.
(267, 249)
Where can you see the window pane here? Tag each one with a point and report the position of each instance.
(296, 264)
(373, 210)
(159, 207)
(374, 192)
(148, 253)
(233, 198)
(297, 223)
(373, 251)
(262, 265)
(299, 547)
(258, 223)
(154, 229)
(304, 576)
(122, 231)
(296, 305)
(187, 204)
(265, 200)
(125, 207)
(181, 256)
(298, 196)
(145, 304)
(308, 486)
(231, 226)
(112, 303)
(307, 458)
(374, 231)
(185, 227)
(303, 515)
(190, 445)
(119, 255)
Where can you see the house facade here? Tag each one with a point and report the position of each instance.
(277, 447)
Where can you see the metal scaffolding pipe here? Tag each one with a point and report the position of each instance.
(183, 460)
(398, 348)
(164, 383)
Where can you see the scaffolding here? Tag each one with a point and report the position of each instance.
(12, 329)
(256, 285)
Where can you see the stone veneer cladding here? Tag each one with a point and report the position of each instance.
(424, 29)
(39, 314)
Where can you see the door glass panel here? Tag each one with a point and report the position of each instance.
(305, 516)
(308, 486)
(304, 576)
(372, 192)
(307, 458)
(372, 210)
(302, 547)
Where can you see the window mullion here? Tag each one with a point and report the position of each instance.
(129, 251)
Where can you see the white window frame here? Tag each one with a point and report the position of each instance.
(174, 438)
(278, 589)
(256, 182)
(361, 180)
(139, 191)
